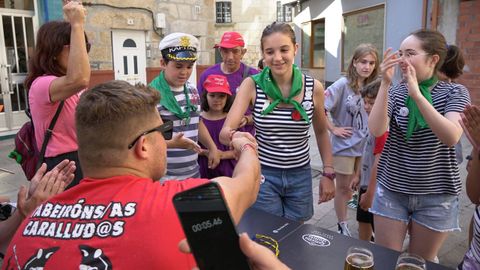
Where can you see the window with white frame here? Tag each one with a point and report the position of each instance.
(284, 12)
(223, 11)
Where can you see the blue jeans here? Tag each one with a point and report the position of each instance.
(437, 212)
(286, 192)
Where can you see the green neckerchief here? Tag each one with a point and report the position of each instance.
(168, 100)
(415, 118)
(270, 87)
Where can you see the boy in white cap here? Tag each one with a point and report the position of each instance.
(180, 103)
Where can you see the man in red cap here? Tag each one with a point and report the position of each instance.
(232, 49)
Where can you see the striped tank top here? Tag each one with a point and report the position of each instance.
(282, 141)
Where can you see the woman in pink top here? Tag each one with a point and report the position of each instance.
(60, 45)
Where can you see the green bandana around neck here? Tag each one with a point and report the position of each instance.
(415, 117)
(270, 87)
(168, 100)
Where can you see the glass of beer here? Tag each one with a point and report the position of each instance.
(409, 261)
(358, 258)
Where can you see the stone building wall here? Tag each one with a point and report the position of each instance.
(196, 17)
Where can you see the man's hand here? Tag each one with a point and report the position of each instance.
(260, 257)
(45, 186)
(65, 169)
(239, 139)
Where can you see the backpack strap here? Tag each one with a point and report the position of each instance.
(48, 134)
(246, 70)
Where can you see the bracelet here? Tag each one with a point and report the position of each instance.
(248, 145)
(246, 120)
(330, 176)
(328, 166)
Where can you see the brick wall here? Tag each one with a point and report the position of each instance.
(468, 38)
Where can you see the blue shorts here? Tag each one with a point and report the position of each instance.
(286, 193)
(437, 212)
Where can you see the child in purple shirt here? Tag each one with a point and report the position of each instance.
(216, 102)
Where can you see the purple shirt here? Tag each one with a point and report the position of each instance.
(234, 80)
(226, 166)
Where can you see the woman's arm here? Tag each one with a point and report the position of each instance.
(326, 187)
(78, 74)
(245, 97)
(378, 119)
(447, 128)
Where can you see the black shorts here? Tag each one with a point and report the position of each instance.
(362, 215)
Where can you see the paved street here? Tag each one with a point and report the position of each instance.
(451, 253)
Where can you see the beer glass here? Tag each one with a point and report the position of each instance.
(358, 258)
(409, 261)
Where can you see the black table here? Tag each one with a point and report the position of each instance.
(305, 247)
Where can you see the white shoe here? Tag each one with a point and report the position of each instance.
(343, 228)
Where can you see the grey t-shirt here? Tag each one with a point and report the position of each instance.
(347, 110)
(367, 160)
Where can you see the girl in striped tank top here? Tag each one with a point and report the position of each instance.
(285, 104)
(418, 176)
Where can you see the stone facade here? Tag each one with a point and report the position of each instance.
(196, 17)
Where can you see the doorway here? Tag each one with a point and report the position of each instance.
(17, 43)
(129, 56)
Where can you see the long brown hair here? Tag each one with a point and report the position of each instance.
(352, 75)
(51, 37)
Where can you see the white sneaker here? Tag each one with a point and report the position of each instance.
(343, 228)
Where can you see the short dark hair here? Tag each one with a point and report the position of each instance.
(110, 115)
(371, 90)
(204, 101)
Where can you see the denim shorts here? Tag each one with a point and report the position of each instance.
(437, 212)
(286, 192)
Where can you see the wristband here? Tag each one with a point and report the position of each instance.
(330, 176)
(248, 145)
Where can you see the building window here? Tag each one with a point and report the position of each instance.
(313, 44)
(224, 12)
(363, 26)
(284, 12)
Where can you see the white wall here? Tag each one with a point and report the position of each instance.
(401, 18)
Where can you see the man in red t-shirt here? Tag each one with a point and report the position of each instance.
(119, 216)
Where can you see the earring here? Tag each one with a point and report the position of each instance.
(55, 58)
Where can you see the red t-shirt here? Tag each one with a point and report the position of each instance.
(123, 222)
(380, 143)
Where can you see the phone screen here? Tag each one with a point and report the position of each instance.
(210, 231)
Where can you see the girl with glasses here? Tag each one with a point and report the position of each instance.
(418, 177)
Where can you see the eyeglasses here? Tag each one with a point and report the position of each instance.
(410, 53)
(268, 242)
(166, 129)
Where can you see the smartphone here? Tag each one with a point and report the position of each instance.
(209, 228)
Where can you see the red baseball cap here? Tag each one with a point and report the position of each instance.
(231, 40)
(217, 84)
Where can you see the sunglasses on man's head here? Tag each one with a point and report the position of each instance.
(166, 129)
